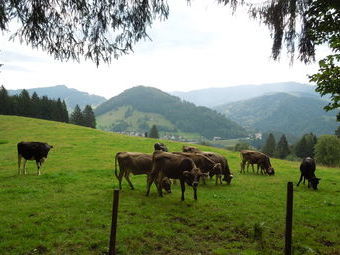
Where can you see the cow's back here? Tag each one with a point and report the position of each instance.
(138, 162)
(32, 150)
(307, 167)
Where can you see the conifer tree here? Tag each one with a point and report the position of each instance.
(5, 103)
(269, 147)
(24, 104)
(88, 117)
(65, 113)
(36, 106)
(77, 116)
(153, 132)
(282, 148)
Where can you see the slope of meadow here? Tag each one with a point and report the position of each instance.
(67, 210)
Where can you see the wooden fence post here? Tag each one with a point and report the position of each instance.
(112, 245)
(289, 219)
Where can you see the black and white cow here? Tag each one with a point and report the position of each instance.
(307, 169)
(32, 151)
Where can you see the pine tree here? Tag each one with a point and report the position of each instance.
(282, 148)
(77, 116)
(305, 146)
(24, 104)
(5, 103)
(36, 106)
(88, 117)
(269, 147)
(65, 113)
(153, 132)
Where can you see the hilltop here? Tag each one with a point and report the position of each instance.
(287, 113)
(140, 107)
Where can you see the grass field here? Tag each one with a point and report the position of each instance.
(67, 210)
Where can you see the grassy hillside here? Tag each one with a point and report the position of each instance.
(184, 116)
(67, 210)
(282, 112)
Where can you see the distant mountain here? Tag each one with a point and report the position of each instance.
(282, 112)
(211, 97)
(142, 106)
(72, 97)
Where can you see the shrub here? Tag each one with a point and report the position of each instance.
(327, 150)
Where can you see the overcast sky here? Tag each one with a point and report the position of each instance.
(199, 46)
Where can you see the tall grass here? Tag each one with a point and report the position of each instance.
(67, 210)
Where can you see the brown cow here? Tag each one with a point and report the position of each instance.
(205, 164)
(255, 157)
(136, 163)
(217, 158)
(174, 166)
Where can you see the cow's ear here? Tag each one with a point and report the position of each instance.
(318, 179)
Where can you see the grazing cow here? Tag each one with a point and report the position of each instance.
(307, 169)
(217, 158)
(174, 166)
(205, 164)
(32, 151)
(160, 147)
(255, 157)
(136, 163)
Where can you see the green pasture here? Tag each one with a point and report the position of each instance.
(67, 210)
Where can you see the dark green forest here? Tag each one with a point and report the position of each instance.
(184, 115)
(32, 106)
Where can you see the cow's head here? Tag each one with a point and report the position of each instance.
(192, 178)
(166, 184)
(313, 182)
(160, 147)
(270, 171)
(228, 177)
(45, 152)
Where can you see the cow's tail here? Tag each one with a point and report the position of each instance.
(116, 165)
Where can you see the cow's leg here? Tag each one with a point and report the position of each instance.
(127, 177)
(304, 179)
(19, 163)
(38, 167)
(299, 181)
(182, 188)
(159, 184)
(252, 167)
(243, 163)
(151, 179)
(120, 176)
(24, 165)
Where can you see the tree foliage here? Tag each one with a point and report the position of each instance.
(282, 148)
(305, 146)
(153, 132)
(88, 117)
(328, 150)
(71, 29)
(270, 145)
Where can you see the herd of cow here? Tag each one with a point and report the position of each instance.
(162, 166)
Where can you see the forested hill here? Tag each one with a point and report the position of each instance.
(282, 112)
(185, 116)
(72, 97)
